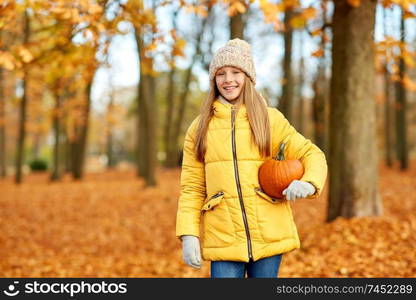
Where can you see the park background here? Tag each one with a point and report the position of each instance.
(96, 95)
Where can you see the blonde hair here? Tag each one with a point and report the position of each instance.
(256, 107)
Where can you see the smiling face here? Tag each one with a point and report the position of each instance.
(230, 82)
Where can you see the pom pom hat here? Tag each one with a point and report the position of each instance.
(236, 53)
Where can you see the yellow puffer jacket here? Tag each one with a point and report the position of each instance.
(221, 201)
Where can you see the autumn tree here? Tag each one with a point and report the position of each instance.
(287, 98)
(9, 31)
(175, 113)
(171, 97)
(24, 99)
(110, 126)
(98, 29)
(147, 36)
(388, 107)
(401, 102)
(300, 83)
(236, 10)
(47, 31)
(353, 162)
(320, 84)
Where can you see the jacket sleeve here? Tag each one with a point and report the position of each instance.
(193, 192)
(298, 147)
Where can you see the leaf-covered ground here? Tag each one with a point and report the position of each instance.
(108, 225)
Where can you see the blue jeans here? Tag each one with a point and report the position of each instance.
(264, 268)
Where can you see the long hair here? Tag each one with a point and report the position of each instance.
(256, 107)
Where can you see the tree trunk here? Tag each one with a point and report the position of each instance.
(151, 133)
(237, 26)
(3, 172)
(141, 129)
(173, 156)
(80, 146)
(170, 100)
(388, 122)
(207, 56)
(22, 130)
(401, 105)
(110, 140)
(67, 153)
(319, 109)
(286, 100)
(147, 108)
(55, 174)
(320, 87)
(22, 108)
(353, 162)
(301, 107)
(3, 164)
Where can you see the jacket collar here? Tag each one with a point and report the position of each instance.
(222, 109)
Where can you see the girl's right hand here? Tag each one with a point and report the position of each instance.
(191, 251)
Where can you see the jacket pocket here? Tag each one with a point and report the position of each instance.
(213, 201)
(217, 226)
(262, 194)
(274, 218)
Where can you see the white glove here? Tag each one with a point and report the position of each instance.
(191, 251)
(299, 189)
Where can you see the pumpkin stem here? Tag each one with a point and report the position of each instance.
(281, 154)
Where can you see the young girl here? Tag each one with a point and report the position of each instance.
(242, 230)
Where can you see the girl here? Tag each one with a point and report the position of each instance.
(243, 231)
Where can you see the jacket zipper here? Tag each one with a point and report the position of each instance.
(237, 179)
(216, 195)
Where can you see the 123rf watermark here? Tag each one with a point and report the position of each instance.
(70, 289)
(365, 289)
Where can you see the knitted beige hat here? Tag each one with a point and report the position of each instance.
(236, 53)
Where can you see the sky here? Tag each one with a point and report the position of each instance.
(267, 53)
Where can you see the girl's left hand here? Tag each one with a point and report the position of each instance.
(299, 189)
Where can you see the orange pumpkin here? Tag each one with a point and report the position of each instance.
(276, 174)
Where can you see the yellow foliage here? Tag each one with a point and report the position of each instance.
(405, 4)
(409, 14)
(386, 3)
(394, 77)
(291, 3)
(318, 53)
(408, 83)
(199, 10)
(354, 3)
(149, 18)
(271, 12)
(236, 7)
(379, 63)
(150, 47)
(179, 46)
(300, 20)
(309, 13)
(408, 59)
(7, 61)
(317, 32)
(146, 66)
(25, 54)
(94, 9)
(297, 22)
(395, 69)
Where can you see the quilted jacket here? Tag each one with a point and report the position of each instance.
(221, 200)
